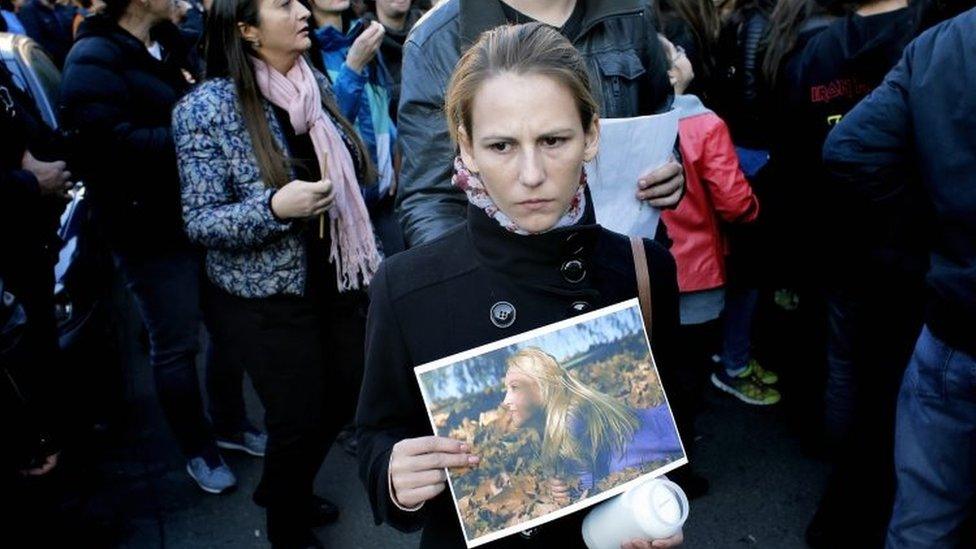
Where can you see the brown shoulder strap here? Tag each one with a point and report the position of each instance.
(643, 280)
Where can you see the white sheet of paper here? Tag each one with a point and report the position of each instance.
(629, 148)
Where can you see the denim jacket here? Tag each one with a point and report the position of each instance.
(226, 205)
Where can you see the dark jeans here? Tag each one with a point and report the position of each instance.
(740, 309)
(935, 448)
(870, 333)
(305, 358)
(166, 288)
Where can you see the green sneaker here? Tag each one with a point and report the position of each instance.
(745, 388)
(788, 300)
(761, 374)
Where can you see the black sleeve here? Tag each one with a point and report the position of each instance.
(659, 93)
(753, 34)
(389, 402)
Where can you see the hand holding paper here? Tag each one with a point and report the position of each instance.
(630, 151)
(662, 187)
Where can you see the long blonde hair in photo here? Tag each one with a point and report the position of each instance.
(608, 422)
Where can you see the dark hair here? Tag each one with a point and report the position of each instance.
(115, 9)
(785, 26)
(703, 20)
(532, 48)
(227, 57)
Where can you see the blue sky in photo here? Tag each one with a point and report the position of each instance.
(477, 373)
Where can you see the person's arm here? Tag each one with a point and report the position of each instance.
(427, 204)
(866, 152)
(387, 399)
(348, 89)
(755, 28)
(212, 214)
(718, 167)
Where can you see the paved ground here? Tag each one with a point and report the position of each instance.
(763, 492)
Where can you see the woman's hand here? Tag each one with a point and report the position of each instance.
(302, 199)
(673, 541)
(559, 491)
(365, 46)
(417, 467)
(663, 187)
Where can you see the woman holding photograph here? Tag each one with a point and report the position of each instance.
(586, 434)
(270, 188)
(530, 254)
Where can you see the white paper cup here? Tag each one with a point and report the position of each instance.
(655, 509)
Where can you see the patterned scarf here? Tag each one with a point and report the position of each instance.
(471, 184)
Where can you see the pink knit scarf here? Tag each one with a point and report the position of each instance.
(354, 250)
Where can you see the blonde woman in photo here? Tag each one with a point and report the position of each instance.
(586, 434)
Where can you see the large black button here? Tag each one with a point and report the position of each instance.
(573, 271)
(502, 314)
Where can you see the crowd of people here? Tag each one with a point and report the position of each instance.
(337, 191)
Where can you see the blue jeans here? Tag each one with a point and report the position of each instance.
(166, 288)
(935, 448)
(740, 308)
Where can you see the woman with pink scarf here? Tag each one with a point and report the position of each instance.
(270, 177)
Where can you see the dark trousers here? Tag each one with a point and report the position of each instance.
(166, 288)
(305, 358)
(870, 335)
(686, 383)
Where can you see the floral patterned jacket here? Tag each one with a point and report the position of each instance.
(226, 205)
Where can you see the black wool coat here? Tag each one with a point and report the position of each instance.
(435, 300)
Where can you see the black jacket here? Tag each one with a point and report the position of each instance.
(117, 100)
(739, 83)
(920, 120)
(434, 300)
(627, 67)
(392, 51)
(49, 27)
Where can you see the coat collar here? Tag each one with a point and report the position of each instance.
(477, 16)
(559, 261)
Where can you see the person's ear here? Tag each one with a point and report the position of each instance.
(251, 34)
(464, 144)
(592, 136)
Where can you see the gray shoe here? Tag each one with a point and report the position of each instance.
(216, 480)
(250, 442)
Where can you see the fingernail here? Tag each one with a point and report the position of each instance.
(464, 447)
(473, 459)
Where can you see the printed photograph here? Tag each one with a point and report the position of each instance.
(562, 417)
